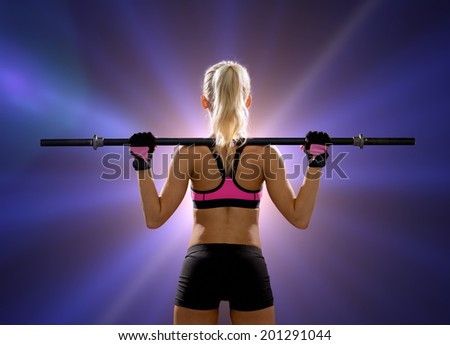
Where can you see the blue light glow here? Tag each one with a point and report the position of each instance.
(74, 247)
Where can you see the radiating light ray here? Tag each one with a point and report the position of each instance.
(82, 264)
(300, 90)
(325, 268)
(273, 29)
(100, 280)
(27, 88)
(149, 274)
(371, 94)
(172, 85)
(55, 206)
(159, 261)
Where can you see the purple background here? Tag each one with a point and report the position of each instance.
(73, 246)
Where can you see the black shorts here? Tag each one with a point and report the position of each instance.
(224, 272)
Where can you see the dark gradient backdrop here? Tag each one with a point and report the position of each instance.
(73, 246)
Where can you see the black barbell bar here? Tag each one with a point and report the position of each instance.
(359, 141)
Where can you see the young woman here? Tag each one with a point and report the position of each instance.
(224, 259)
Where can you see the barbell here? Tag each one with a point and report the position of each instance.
(96, 141)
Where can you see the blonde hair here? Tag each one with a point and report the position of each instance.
(227, 88)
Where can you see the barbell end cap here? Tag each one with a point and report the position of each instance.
(97, 142)
(359, 141)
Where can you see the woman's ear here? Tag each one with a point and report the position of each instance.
(248, 103)
(205, 102)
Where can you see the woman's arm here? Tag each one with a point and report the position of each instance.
(296, 209)
(159, 208)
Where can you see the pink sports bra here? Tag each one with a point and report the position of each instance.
(228, 193)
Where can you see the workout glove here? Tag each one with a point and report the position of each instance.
(142, 146)
(315, 148)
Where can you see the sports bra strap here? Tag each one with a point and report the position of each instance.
(236, 159)
(219, 163)
(228, 193)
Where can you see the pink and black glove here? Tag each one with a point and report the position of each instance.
(142, 146)
(316, 147)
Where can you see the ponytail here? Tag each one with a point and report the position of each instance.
(227, 88)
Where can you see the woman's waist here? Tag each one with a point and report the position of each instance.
(226, 248)
(226, 221)
(239, 234)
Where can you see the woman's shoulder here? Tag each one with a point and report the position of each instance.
(192, 149)
(261, 149)
(195, 150)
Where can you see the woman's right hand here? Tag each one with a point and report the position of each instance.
(316, 147)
